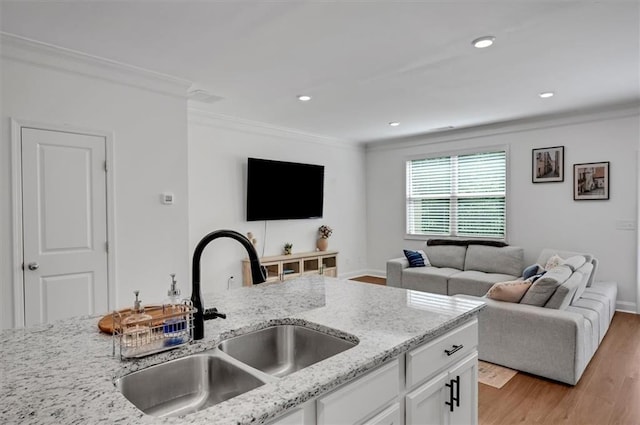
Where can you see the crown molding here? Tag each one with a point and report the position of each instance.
(211, 119)
(600, 113)
(13, 47)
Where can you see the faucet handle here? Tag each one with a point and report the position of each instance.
(212, 313)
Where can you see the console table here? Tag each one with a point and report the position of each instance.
(283, 267)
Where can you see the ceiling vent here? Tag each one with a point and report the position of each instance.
(204, 96)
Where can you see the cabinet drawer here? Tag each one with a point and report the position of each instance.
(425, 361)
(355, 401)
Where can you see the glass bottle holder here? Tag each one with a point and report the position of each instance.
(171, 328)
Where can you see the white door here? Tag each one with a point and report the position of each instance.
(64, 220)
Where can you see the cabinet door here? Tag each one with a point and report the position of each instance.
(294, 418)
(465, 374)
(390, 416)
(426, 405)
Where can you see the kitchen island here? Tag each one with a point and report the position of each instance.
(64, 373)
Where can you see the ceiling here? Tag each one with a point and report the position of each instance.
(365, 64)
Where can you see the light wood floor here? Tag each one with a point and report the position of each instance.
(608, 392)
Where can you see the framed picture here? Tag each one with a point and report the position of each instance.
(591, 181)
(548, 165)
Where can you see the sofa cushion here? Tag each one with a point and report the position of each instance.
(597, 306)
(416, 258)
(511, 291)
(427, 279)
(607, 290)
(543, 288)
(546, 253)
(575, 262)
(591, 337)
(506, 260)
(476, 283)
(451, 256)
(567, 291)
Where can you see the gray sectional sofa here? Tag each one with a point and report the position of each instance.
(554, 336)
(458, 267)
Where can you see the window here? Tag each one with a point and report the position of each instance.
(458, 195)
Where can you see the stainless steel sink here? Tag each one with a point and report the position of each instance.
(238, 365)
(283, 349)
(186, 385)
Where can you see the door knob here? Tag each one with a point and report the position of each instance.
(33, 266)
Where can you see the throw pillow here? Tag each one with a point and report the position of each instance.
(545, 286)
(553, 261)
(532, 270)
(511, 291)
(415, 258)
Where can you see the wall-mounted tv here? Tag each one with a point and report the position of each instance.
(279, 190)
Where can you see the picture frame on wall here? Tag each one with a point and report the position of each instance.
(591, 181)
(548, 165)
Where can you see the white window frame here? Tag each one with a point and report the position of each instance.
(439, 154)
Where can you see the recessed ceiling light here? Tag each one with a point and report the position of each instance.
(546, 94)
(394, 123)
(482, 42)
(304, 98)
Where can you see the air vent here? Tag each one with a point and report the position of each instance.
(203, 96)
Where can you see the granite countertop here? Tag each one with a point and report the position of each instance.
(64, 373)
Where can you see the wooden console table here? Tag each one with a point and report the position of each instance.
(283, 267)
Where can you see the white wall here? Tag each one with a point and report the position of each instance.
(147, 118)
(538, 215)
(218, 152)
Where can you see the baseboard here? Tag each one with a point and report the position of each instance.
(375, 273)
(627, 307)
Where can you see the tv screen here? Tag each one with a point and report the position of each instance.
(279, 190)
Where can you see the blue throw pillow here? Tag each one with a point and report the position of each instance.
(414, 257)
(532, 270)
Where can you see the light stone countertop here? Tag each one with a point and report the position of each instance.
(64, 373)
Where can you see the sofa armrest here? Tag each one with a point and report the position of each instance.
(394, 271)
(537, 340)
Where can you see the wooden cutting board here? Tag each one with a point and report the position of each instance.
(106, 323)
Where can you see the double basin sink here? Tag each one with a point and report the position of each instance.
(236, 366)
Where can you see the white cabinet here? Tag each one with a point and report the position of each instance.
(359, 399)
(295, 417)
(390, 416)
(426, 405)
(433, 384)
(450, 398)
(442, 377)
(284, 267)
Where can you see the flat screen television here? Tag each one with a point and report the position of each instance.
(279, 190)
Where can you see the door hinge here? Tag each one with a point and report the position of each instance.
(106, 168)
(106, 246)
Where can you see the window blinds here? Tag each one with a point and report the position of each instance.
(459, 195)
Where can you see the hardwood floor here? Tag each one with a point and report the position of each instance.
(607, 394)
(370, 279)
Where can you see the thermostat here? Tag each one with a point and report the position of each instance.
(167, 198)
